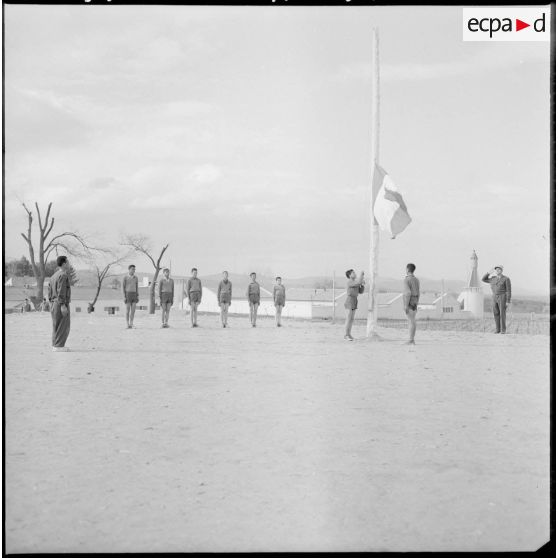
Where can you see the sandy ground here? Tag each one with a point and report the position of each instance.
(234, 439)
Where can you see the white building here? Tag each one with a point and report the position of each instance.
(472, 297)
(293, 308)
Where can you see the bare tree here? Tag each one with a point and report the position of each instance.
(140, 243)
(102, 272)
(71, 242)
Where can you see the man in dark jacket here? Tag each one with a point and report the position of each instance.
(501, 295)
(59, 295)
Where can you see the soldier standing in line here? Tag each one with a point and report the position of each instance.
(278, 299)
(130, 290)
(166, 296)
(224, 297)
(194, 291)
(411, 295)
(253, 296)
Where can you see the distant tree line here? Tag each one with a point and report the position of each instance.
(23, 268)
(18, 268)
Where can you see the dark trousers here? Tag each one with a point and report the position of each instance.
(60, 325)
(499, 309)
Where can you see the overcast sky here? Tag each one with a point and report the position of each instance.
(242, 136)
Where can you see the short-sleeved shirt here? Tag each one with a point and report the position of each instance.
(59, 289)
(130, 284)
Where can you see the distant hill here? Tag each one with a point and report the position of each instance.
(87, 278)
(86, 286)
(385, 284)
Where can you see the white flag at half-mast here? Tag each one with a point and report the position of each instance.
(390, 210)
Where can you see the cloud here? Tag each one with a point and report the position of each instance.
(206, 174)
(38, 121)
(102, 183)
(481, 61)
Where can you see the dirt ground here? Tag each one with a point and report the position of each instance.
(264, 439)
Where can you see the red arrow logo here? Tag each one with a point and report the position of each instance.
(519, 25)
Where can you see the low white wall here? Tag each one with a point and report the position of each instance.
(292, 309)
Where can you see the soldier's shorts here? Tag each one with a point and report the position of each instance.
(131, 298)
(166, 298)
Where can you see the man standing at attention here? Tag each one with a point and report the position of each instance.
(194, 291)
(253, 295)
(59, 294)
(224, 297)
(278, 299)
(130, 290)
(411, 295)
(501, 295)
(166, 295)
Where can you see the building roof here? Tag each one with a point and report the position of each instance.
(385, 299)
(435, 298)
(473, 279)
(304, 293)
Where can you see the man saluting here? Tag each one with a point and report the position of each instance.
(501, 295)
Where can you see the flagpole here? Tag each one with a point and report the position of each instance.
(372, 318)
(333, 299)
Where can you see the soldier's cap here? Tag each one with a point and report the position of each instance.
(499, 267)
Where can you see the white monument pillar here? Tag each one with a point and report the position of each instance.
(473, 298)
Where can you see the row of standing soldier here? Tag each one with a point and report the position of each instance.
(59, 296)
(194, 291)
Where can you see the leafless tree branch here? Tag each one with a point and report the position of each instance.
(141, 244)
(71, 242)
